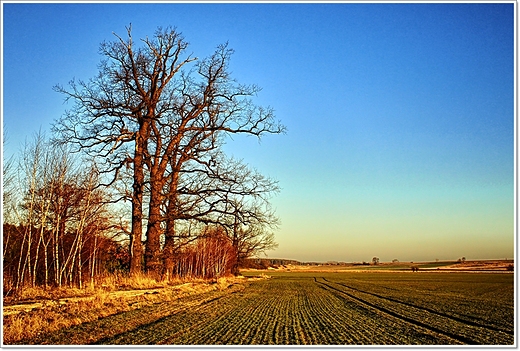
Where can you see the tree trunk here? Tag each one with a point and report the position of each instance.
(93, 261)
(169, 240)
(46, 264)
(56, 253)
(234, 243)
(152, 253)
(136, 246)
(169, 251)
(35, 265)
(20, 274)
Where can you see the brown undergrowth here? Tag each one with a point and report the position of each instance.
(37, 311)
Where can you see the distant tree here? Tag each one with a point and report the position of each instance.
(209, 256)
(375, 260)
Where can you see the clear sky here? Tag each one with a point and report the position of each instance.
(400, 117)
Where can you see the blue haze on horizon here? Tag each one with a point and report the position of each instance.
(400, 117)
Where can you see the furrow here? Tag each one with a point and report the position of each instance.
(394, 314)
(455, 318)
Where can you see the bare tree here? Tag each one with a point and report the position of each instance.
(59, 210)
(201, 114)
(227, 194)
(30, 165)
(114, 112)
(146, 111)
(9, 190)
(251, 231)
(8, 185)
(209, 256)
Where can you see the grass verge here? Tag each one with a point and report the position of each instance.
(61, 308)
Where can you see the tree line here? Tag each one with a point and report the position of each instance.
(137, 163)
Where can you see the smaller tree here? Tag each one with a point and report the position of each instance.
(375, 260)
(461, 260)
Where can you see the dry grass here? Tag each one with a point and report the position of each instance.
(55, 315)
(65, 307)
(107, 283)
(42, 293)
(137, 281)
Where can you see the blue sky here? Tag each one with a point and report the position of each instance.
(400, 117)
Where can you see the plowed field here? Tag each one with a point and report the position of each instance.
(321, 309)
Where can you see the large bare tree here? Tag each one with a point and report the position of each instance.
(114, 112)
(148, 110)
(203, 109)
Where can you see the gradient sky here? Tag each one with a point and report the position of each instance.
(400, 117)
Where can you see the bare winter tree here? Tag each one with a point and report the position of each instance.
(249, 221)
(114, 112)
(9, 190)
(145, 110)
(8, 184)
(229, 195)
(61, 211)
(202, 112)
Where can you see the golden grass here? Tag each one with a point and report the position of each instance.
(40, 292)
(26, 325)
(112, 282)
(65, 307)
(137, 281)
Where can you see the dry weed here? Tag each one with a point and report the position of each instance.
(61, 314)
(42, 293)
(114, 282)
(61, 309)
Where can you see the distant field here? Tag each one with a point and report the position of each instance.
(308, 308)
(476, 265)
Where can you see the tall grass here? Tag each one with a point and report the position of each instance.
(26, 325)
(104, 283)
(101, 299)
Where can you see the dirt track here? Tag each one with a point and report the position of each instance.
(42, 304)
